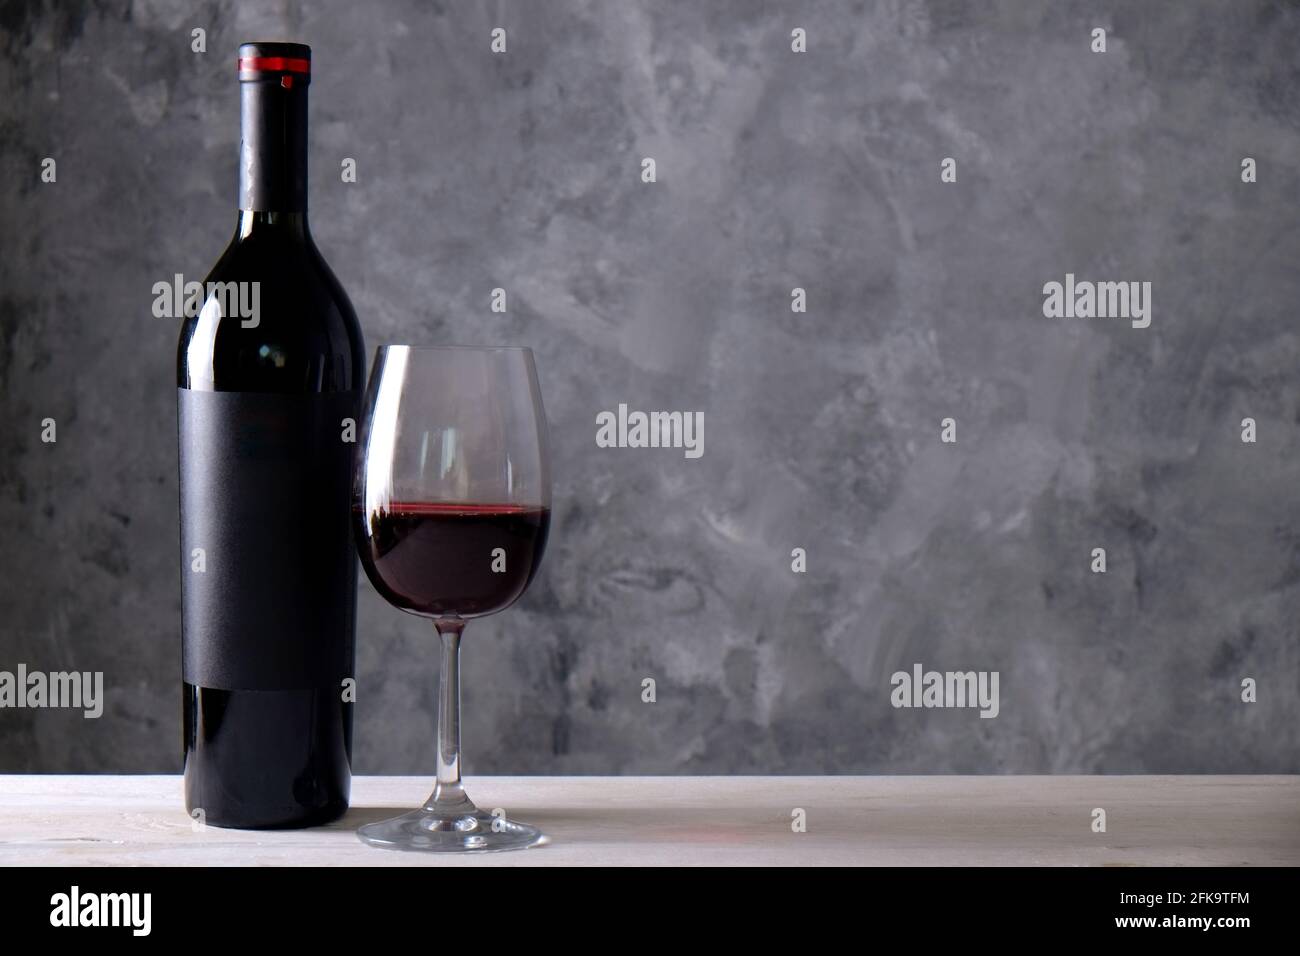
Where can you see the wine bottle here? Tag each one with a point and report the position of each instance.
(269, 373)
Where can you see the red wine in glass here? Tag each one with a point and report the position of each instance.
(447, 558)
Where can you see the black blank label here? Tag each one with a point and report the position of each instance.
(265, 493)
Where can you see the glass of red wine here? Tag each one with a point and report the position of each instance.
(451, 502)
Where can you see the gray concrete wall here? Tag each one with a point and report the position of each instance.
(775, 170)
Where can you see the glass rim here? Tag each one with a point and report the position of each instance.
(453, 348)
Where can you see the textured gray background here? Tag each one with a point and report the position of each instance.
(822, 430)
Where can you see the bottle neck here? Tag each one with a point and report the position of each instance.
(252, 222)
(273, 150)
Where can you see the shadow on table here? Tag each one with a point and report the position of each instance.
(360, 816)
(600, 824)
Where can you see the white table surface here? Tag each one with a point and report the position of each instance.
(946, 820)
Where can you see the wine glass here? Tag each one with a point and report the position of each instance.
(451, 502)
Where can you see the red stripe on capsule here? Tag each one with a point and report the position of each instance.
(274, 64)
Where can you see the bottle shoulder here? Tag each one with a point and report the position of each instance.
(273, 317)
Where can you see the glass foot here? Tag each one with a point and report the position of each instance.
(475, 831)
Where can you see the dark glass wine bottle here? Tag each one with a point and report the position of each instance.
(270, 372)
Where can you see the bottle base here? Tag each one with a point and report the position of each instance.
(316, 818)
(266, 760)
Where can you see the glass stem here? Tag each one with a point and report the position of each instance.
(448, 794)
